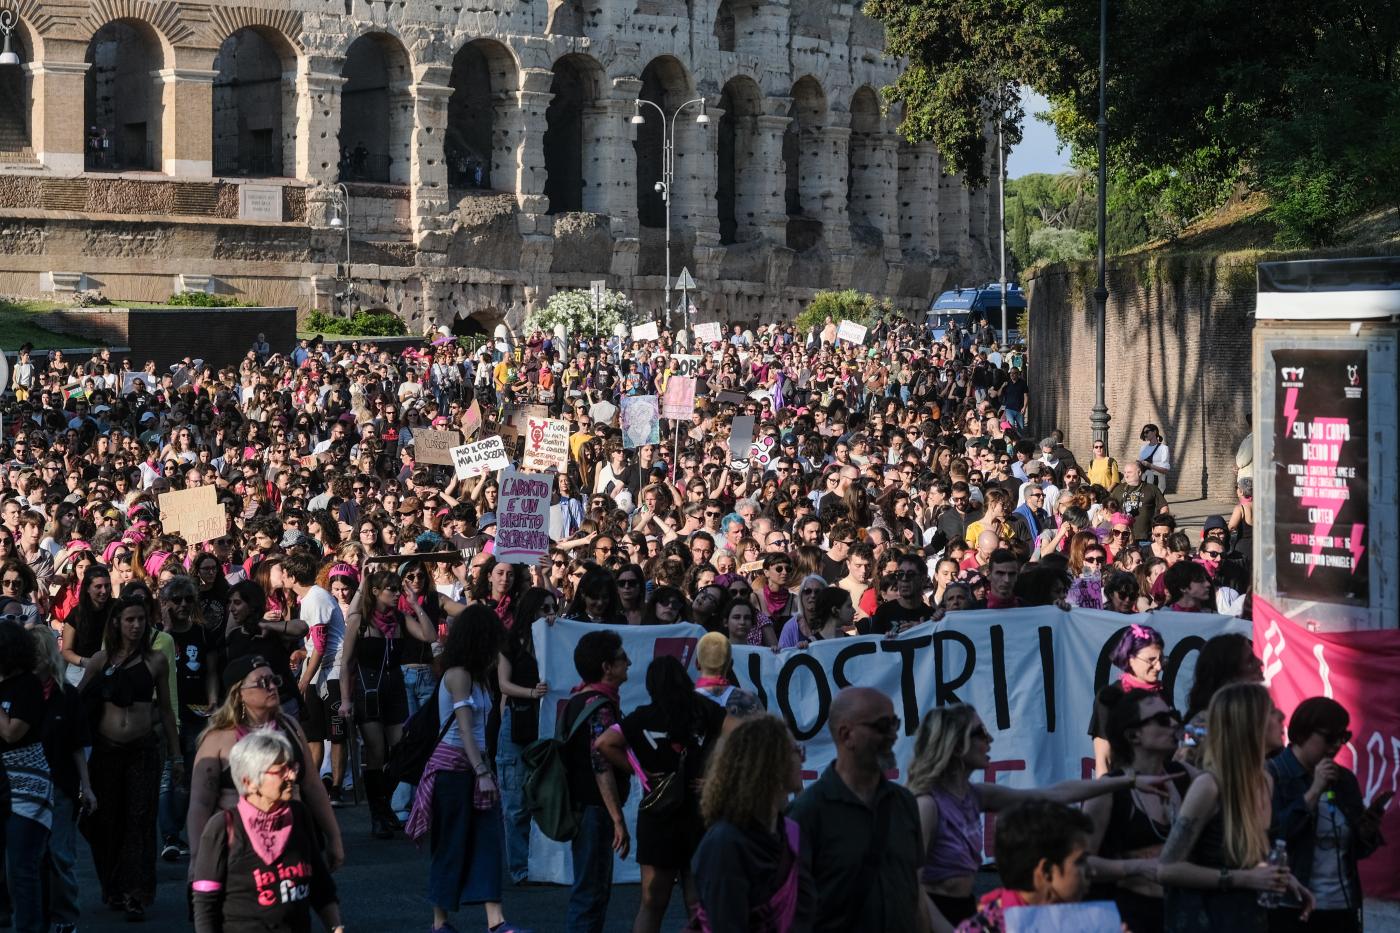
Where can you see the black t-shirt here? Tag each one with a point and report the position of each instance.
(646, 729)
(65, 732)
(891, 613)
(192, 659)
(22, 698)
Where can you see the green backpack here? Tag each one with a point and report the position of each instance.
(546, 790)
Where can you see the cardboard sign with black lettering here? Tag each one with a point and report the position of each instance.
(193, 514)
(435, 447)
(484, 456)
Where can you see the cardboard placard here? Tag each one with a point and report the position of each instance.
(522, 518)
(678, 403)
(641, 421)
(546, 445)
(435, 446)
(647, 331)
(851, 331)
(484, 456)
(708, 333)
(193, 514)
(730, 397)
(471, 420)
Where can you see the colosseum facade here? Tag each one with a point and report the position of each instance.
(479, 155)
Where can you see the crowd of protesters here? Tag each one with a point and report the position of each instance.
(217, 702)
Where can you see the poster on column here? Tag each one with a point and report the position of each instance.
(1321, 476)
(1357, 669)
(522, 521)
(1032, 674)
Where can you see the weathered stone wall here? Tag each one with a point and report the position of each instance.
(1177, 354)
(488, 153)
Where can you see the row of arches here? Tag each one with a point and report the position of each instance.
(794, 158)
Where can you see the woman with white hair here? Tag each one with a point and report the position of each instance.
(259, 867)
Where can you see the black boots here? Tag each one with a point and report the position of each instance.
(381, 814)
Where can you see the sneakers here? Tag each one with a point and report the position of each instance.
(65, 928)
(505, 926)
(170, 852)
(337, 797)
(135, 912)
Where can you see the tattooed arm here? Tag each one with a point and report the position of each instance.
(1200, 806)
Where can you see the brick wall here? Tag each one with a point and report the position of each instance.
(1177, 354)
(219, 336)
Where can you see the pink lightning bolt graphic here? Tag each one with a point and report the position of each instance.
(1358, 536)
(1326, 492)
(1290, 410)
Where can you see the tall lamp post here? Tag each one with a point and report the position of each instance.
(1001, 198)
(1098, 418)
(668, 166)
(8, 20)
(340, 219)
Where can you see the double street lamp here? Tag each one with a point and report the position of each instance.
(668, 168)
(340, 220)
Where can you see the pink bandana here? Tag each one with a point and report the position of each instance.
(268, 832)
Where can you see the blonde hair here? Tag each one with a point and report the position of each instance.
(46, 655)
(746, 772)
(1234, 755)
(944, 736)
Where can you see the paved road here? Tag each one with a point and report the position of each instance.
(381, 890)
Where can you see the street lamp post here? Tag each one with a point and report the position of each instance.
(8, 20)
(1098, 418)
(340, 204)
(1001, 198)
(668, 166)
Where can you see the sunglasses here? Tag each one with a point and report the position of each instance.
(1094, 560)
(1167, 719)
(1337, 738)
(266, 684)
(885, 724)
(629, 583)
(1213, 555)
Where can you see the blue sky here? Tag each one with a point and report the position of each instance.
(1036, 153)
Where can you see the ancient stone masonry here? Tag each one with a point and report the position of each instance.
(489, 151)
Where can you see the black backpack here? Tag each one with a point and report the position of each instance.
(421, 735)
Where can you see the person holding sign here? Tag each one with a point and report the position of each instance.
(951, 745)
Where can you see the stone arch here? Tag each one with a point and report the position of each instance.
(255, 104)
(807, 117)
(864, 175)
(376, 111)
(666, 83)
(17, 95)
(572, 130)
(122, 96)
(479, 148)
(741, 177)
(165, 22)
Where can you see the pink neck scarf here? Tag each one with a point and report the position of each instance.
(268, 832)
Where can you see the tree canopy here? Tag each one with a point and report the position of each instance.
(1296, 97)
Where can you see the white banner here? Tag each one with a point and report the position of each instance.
(850, 330)
(1031, 673)
(484, 456)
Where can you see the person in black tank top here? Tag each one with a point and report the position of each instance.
(1131, 826)
(371, 655)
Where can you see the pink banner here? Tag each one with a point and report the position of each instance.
(1358, 670)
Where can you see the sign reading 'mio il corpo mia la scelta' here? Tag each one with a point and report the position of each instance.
(1326, 455)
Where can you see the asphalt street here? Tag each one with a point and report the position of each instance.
(382, 888)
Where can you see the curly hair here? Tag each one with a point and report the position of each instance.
(746, 772)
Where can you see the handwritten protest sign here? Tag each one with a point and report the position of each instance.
(435, 447)
(546, 444)
(708, 333)
(850, 330)
(641, 420)
(647, 331)
(193, 514)
(678, 403)
(522, 521)
(484, 456)
(685, 364)
(471, 419)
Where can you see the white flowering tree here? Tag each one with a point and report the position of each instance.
(574, 309)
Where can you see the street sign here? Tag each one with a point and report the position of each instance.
(685, 282)
(599, 289)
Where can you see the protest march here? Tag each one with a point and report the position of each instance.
(799, 631)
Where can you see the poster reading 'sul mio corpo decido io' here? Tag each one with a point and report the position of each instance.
(1321, 474)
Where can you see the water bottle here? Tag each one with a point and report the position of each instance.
(1278, 857)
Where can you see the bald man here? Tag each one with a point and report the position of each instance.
(863, 829)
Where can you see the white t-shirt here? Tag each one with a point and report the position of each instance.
(318, 607)
(1158, 455)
